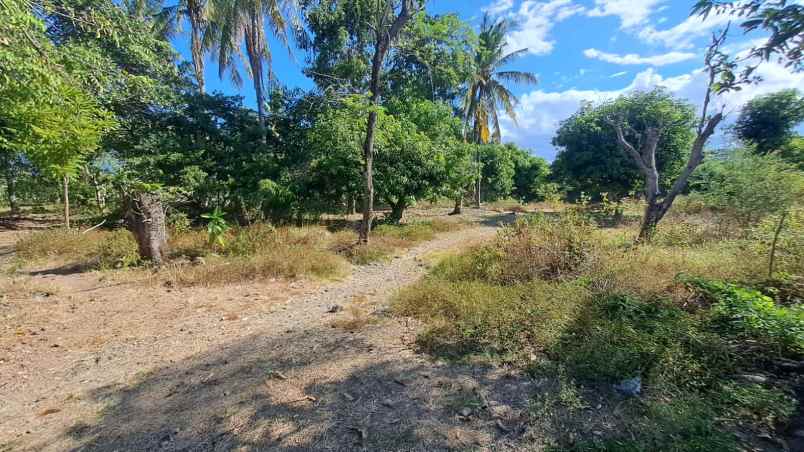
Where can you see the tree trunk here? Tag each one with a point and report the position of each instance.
(66, 199)
(196, 19)
(772, 259)
(653, 214)
(351, 208)
(397, 211)
(145, 217)
(477, 183)
(11, 186)
(458, 206)
(384, 38)
(368, 146)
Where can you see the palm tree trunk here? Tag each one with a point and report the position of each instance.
(194, 15)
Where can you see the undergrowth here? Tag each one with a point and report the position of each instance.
(557, 293)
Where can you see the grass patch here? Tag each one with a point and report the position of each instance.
(100, 250)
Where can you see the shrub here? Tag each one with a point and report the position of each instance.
(537, 247)
(748, 313)
(117, 249)
(467, 317)
(619, 337)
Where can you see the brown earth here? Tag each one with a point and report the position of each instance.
(113, 361)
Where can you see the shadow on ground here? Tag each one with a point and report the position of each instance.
(319, 389)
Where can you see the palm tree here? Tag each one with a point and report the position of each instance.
(196, 12)
(485, 91)
(237, 22)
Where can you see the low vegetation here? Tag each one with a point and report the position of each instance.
(237, 254)
(558, 295)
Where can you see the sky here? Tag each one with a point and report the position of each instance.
(581, 50)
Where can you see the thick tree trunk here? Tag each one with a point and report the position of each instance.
(397, 211)
(653, 214)
(66, 198)
(458, 206)
(145, 215)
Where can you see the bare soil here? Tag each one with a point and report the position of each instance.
(113, 361)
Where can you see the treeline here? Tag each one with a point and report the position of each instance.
(95, 103)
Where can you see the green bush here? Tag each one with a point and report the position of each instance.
(747, 313)
(117, 249)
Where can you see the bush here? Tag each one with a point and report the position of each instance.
(117, 249)
(468, 317)
(749, 314)
(619, 337)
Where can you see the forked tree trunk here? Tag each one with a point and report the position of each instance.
(145, 217)
(66, 197)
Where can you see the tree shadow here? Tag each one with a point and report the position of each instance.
(249, 395)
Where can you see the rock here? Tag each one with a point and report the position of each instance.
(466, 411)
(630, 387)
(198, 260)
(388, 402)
(759, 379)
(335, 308)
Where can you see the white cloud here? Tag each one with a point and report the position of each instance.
(534, 20)
(681, 36)
(618, 74)
(630, 12)
(498, 7)
(540, 112)
(632, 58)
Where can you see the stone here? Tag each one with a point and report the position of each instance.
(630, 387)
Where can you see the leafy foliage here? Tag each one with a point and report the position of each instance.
(768, 122)
(589, 159)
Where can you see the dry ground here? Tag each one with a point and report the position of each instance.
(101, 361)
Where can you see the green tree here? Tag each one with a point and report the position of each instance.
(589, 159)
(768, 122)
(197, 14)
(44, 112)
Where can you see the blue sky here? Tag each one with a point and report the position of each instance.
(582, 50)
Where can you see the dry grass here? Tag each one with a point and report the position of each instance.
(24, 288)
(386, 240)
(95, 250)
(356, 316)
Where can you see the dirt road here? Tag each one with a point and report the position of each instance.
(120, 365)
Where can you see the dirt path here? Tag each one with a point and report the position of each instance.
(112, 365)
